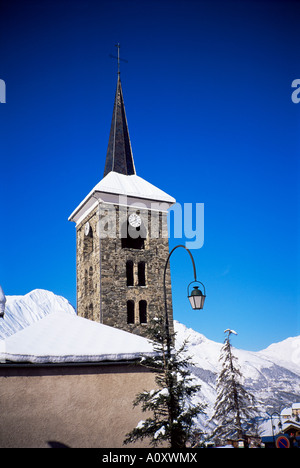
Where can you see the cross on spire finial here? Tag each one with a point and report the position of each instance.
(118, 57)
(118, 47)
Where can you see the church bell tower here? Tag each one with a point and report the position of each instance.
(122, 240)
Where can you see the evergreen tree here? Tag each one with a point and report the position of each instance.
(173, 414)
(235, 408)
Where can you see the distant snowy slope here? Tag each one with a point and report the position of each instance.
(286, 352)
(204, 351)
(22, 311)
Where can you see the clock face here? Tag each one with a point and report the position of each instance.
(134, 220)
(87, 228)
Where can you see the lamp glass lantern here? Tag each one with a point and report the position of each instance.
(196, 297)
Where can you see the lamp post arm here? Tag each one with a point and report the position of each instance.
(165, 293)
(188, 251)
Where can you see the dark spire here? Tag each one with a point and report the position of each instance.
(119, 154)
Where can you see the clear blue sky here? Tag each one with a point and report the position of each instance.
(207, 91)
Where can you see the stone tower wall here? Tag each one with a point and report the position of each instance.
(103, 295)
(88, 269)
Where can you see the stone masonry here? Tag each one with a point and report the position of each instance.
(102, 290)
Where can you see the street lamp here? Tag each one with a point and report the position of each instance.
(196, 297)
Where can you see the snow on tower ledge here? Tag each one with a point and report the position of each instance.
(115, 185)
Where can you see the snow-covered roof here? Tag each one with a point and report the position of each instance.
(61, 337)
(290, 425)
(286, 412)
(42, 327)
(115, 185)
(133, 186)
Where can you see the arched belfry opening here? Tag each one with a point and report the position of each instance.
(142, 273)
(133, 237)
(129, 273)
(143, 311)
(88, 241)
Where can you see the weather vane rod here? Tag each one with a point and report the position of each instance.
(118, 57)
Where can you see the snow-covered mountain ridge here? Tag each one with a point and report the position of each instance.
(272, 375)
(206, 352)
(22, 311)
